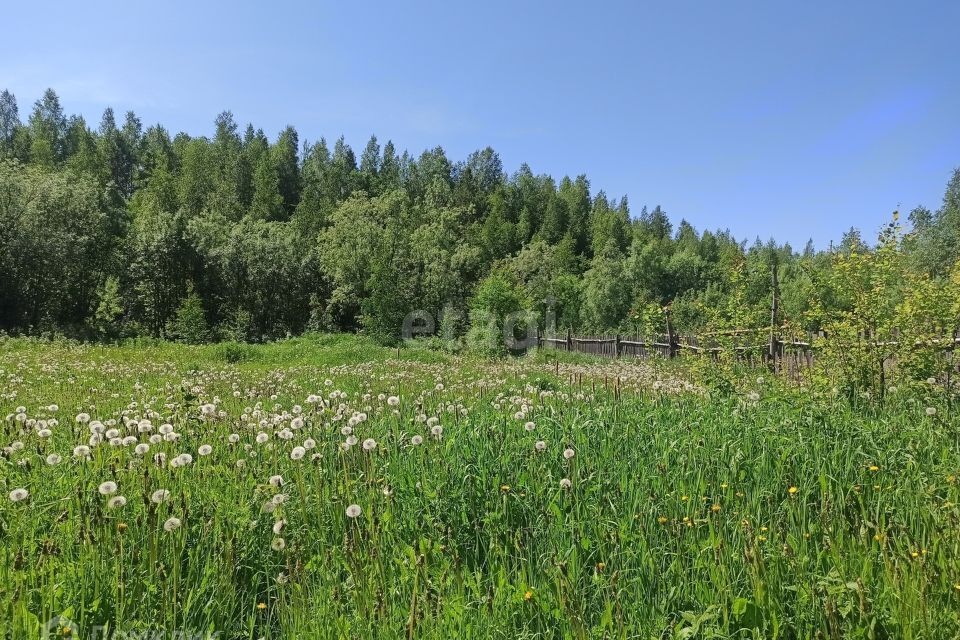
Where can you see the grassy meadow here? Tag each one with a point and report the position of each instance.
(324, 487)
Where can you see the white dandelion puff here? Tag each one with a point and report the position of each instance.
(107, 488)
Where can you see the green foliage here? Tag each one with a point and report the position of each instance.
(279, 240)
(190, 323)
(498, 299)
(108, 315)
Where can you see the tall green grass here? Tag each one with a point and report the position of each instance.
(688, 514)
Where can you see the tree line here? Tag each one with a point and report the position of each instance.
(126, 231)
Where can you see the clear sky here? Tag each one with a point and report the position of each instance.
(793, 120)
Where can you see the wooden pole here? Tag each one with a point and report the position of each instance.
(671, 339)
(774, 302)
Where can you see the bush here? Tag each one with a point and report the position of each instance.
(190, 324)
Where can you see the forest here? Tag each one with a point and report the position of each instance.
(125, 230)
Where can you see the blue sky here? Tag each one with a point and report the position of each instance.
(791, 120)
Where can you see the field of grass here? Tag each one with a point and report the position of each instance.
(325, 487)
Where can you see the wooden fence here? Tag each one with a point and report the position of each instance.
(791, 355)
(750, 345)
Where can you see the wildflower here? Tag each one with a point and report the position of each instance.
(116, 502)
(297, 453)
(505, 488)
(792, 490)
(369, 444)
(53, 459)
(436, 431)
(601, 566)
(415, 440)
(715, 508)
(278, 544)
(18, 495)
(159, 496)
(528, 595)
(529, 426)
(278, 526)
(261, 606)
(83, 418)
(107, 488)
(568, 454)
(393, 401)
(565, 483)
(874, 467)
(540, 445)
(121, 527)
(354, 511)
(81, 451)
(262, 437)
(172, 524)
(276, 481)
(931, 411)
(205, 450)
(208, 410)
(662, 520)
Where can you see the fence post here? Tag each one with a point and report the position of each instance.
(616, 346)
(569, 340)
(671, 339)
(772, 353)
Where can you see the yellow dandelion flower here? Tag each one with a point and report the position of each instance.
(715, 508)
(662, 520)
(528, 595)
(792, 490)
(504, 488)
(874, 468)
(601, 566)
(261, 605)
